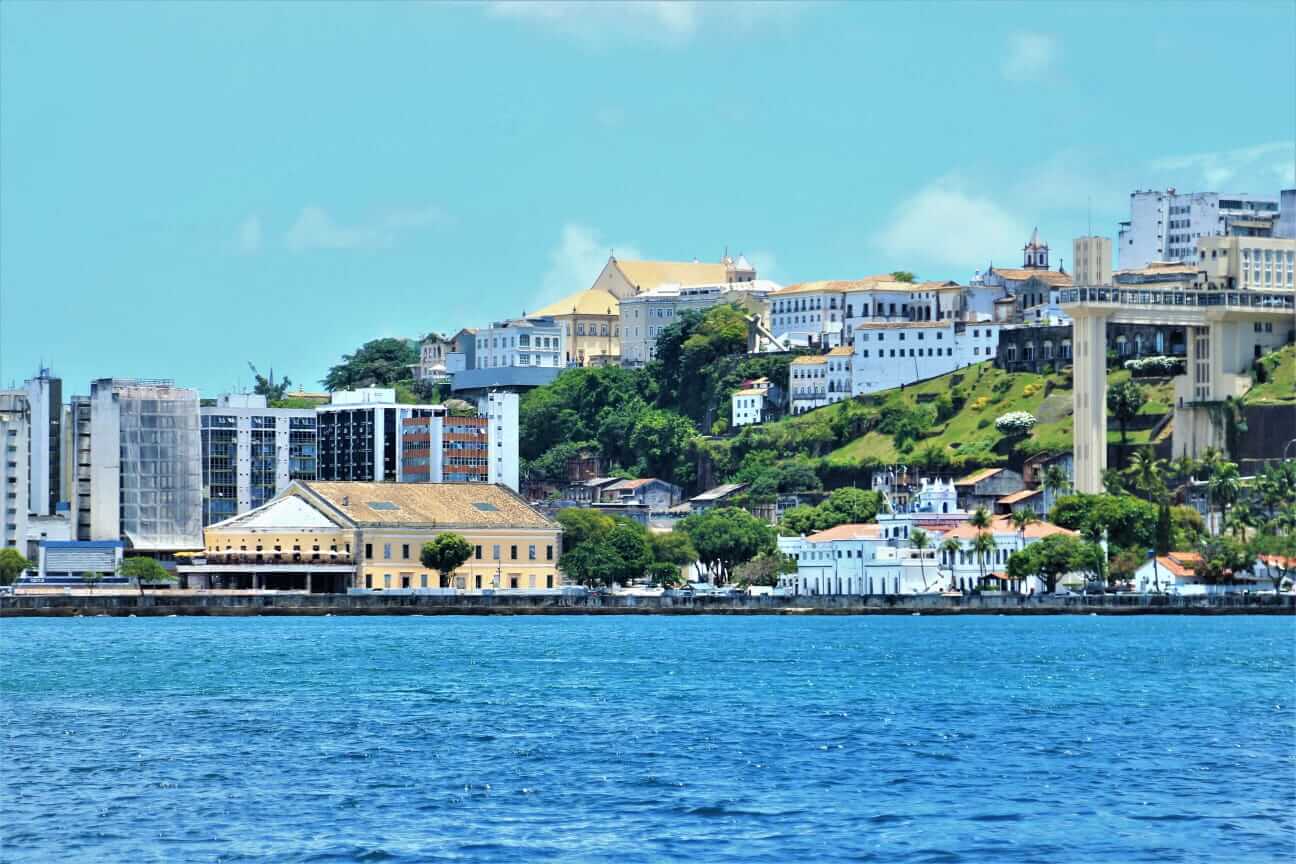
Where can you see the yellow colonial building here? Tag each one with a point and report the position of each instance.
(327, 537)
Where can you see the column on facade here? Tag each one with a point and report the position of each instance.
(1089, 395)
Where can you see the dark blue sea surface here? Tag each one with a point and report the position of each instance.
(628, 739)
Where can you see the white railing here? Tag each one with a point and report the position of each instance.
(1267, 300)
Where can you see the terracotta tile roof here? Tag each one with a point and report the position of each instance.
(450, 505)
(751, 391)
(595, 301)
(835, 286)
(1003, 526)
(1018, 496)
(977, 476)
(849, 531)
(810, 360)
(1179, 563)
(1022, 274)
(841, 351)
(648, 275)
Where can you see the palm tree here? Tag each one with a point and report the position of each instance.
(1055, 480)
(953, 547)
(1147, 474)
(1020, 519)
(1224, 486)
(921, 540)
(980, 519)
(984, 547)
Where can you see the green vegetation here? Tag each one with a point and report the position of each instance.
(1276, 384)
(144, 571)
(12, 564)
(445, 554)
(378, 363)
(600, 550)
(726, 537)
(842, 507)
(1054, 556)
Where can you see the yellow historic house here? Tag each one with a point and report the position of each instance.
(328, 537)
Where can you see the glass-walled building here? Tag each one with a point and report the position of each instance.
(251, 452)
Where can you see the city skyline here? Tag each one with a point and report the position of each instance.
(361, 172)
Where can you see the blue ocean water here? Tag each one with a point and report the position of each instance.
(628, 739)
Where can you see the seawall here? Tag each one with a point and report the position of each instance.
(342, 604)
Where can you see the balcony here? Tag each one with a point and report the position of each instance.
(1262, 301)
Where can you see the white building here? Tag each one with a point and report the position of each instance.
(500, 408)
(888, 300)
(747, 406)
(839, 373)
(1246, 263)
(644, 316)
(967, 571)
(524, 342)
(139, 464)
(1091, 260)
(1165, 226)
(811, 313)
(889, 354)
(807, 383)
(15, 430)
(1285, 227)
(434, 354)
(251, 452)
(859, 560)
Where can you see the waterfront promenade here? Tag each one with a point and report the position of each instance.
(233, 603)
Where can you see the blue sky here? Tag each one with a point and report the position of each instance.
(185, 187)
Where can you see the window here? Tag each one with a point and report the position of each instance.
(495, 552)
(386, 580)
(405, 551)
(531, 552)
(387, 550)
(512, 553)
(549, 553)
(477, 554)
(368, 550)
(422, 580)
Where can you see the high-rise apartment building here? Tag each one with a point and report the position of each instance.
(1165, 226)
(1091, 260)
(1285, 227)
(44, 457)
(15, 428)
(444, 449)
(139, 464)
(500, 408)
(251, 452)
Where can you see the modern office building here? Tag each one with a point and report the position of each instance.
(445, 449)
(251, 452)
(15, 430)
(1165, 226)
(1091, 260)
(44, 458)
(139, 465)
(359, 434)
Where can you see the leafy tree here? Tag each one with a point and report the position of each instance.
(378, 363)
(552, 464)
(665, 574)
(446, 553)
(144, 571)
(662, 441)
(628, 541)
(1164, 529)
(902, 276)
(1276, 486)
(1186, 528)
(765, 569)
(590, 564)
(673, 547)
(1052, 557)
(1124, 401)
(799, 520)
(12, 564)
(1124, 564)
(1222, 560)
(1224, 486)
(92, 578)
(1128, 521)
(582, 525)
(849, 506)
(725, 537)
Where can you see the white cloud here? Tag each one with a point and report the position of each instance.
(315, 229)
(673, 22)
(945, 224)
(1029, 56)
(576, 261)
(249, 235)
(1274, 162)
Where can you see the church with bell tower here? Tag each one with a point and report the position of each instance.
(1035, 253)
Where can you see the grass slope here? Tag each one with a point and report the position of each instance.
(991, 392)
(1280, 389)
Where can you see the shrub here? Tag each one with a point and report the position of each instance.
(1015, 423)
(983, 422)
(1148, 367)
